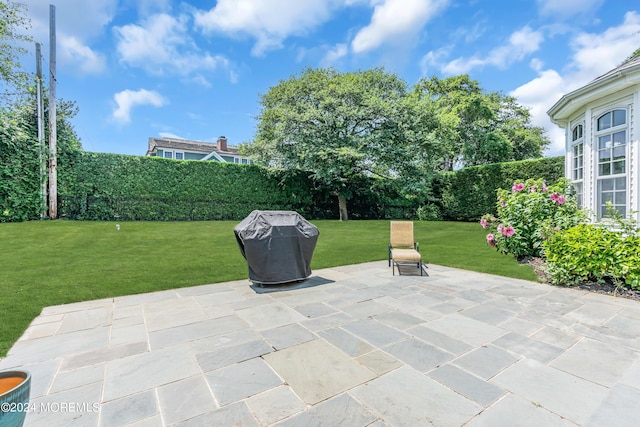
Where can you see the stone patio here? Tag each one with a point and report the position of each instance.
(351, 346)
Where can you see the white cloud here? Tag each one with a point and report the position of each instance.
(567, 8)
(162, 44)
(127, 99)
(521, 43)
(88, 61)
(395, 19)
(593, 55)
(77, 23)
(268, 22)
(169, 135)
(434, 58)
(334, 54)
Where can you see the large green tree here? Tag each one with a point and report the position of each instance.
(478, 127)
(13, 20)
(343, 126)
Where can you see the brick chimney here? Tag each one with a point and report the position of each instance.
(222, 143)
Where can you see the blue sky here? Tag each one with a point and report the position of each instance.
(195, 69)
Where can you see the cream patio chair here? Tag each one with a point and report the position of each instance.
(403, 250)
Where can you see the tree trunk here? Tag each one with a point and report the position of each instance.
(342, 207)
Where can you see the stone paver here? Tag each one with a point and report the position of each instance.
(351, 346)
(317, 371)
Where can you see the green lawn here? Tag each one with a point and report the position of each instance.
(48, 263)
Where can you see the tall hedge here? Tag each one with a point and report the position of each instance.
(99, 186)
(469, 193)
(102, 186)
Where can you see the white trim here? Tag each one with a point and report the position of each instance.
(214, 155)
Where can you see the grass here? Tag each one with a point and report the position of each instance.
(47, 263)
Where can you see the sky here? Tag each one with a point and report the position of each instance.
(196, 69)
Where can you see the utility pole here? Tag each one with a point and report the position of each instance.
(53, 157)
(41, 146)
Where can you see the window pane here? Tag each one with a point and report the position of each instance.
(618, 167)
(605, 169)
(580, 162)
(619, 117)
(606, 185)
(619, 153)
(619, 138)
(620, 198)
(604, 122)
(621, 183)
(604, 155)
(603, 211)
(580, 176)
(179, 156)
(604, 141)
(606, 198)
(168, 154)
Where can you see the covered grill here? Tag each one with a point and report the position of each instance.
(278, 246)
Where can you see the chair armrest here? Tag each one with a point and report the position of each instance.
(416, 246)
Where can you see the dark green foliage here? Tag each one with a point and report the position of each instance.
(19, 157)
(19, 169)
(112, 186)
(469, 193)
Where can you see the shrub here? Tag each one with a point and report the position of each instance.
(469, 193)
(527, 213)
(430, 212)
(589, 252)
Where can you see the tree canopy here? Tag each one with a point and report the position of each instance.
(13, 18)
(343, 126)
(478, 127)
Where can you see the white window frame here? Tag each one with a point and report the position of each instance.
(577, 161)
(169, 156)
(619, 186)
(175, 154)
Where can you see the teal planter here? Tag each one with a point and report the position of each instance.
(15, 387)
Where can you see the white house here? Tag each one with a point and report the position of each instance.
(602, 130)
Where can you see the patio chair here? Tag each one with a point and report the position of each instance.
(403, 250)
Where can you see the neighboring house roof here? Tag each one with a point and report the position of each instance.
(209, 149)
(625, 75)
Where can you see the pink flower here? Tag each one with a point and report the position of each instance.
(544, 187)
(503, 203)
(508, 231)
(491, 239)
(533, 189)
(517, 187)
(500, 228)
(558, 198)
(483, 222)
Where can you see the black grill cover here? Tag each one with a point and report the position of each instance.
(278, 246)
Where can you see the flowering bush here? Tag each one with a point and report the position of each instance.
(528, 213)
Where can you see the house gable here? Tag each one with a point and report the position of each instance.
(602, 148)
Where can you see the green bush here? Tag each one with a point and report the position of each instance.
(111, 186)
(526, 214)
(469, 193)
(589, 252)
(430, 212)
